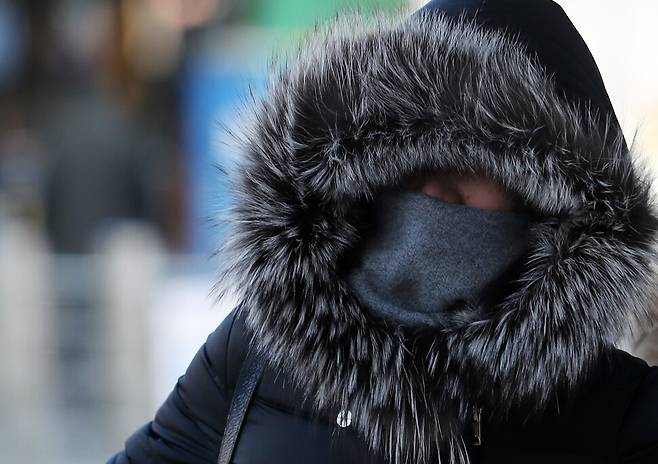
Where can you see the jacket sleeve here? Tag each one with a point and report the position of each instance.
(639, 437)
(188, 427)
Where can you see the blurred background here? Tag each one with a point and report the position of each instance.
(110, 115)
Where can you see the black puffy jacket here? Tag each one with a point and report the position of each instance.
(367, 103)
(612, 420)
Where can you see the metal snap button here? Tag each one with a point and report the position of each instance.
(344, 418)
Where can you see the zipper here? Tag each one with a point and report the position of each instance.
(477, 425)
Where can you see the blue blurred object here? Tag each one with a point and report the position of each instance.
(12, 42)
(211, 94)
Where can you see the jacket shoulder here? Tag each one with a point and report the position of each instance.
(226, 349)
(188, 426)
(638, 439)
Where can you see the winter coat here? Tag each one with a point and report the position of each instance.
(611, 420)
(366, 103)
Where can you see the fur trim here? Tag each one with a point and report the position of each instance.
(369, 102)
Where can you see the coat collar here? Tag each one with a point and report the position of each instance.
(368, 102)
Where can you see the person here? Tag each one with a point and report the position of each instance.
(438, 236)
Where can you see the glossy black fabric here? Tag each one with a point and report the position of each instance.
(612, 420)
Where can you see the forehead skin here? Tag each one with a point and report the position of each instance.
(472, 190)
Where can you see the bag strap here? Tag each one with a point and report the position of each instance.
(250, 373)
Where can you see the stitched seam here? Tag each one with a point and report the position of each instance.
(228, 387)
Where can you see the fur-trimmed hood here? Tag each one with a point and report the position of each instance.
(366, 103)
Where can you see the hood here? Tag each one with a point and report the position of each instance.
(364, 104)
(547, 34)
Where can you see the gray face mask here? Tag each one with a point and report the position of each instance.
(426, 254)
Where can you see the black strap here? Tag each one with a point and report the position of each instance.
(250, 373)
